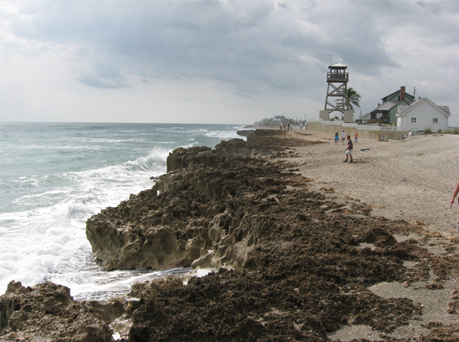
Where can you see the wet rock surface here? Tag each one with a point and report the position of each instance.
(290, 263)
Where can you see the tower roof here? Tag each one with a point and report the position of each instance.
(338, 66)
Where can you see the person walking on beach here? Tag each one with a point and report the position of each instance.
(336, 138)
(349, 148)
(454, 197)
(356, 137)
(343, 136)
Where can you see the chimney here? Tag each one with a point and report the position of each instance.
(402, 93)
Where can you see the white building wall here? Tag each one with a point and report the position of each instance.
(425, 113)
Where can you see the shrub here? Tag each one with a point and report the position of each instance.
(427, 131)
(456, 131)
(440, 131)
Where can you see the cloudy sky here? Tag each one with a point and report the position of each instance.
(227, 61)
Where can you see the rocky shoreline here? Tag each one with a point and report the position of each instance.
(290, 263)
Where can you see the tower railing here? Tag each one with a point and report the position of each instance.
(331, 77)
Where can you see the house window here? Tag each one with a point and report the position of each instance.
(435, 120)
(413, 119)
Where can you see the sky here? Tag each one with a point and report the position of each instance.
(218, 62)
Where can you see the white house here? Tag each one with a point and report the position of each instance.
(422, 114)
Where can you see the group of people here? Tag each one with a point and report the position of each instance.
(343, 137)
(289, 126)
(286, 126)
(350, 144)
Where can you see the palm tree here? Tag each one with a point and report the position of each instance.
(354, 98)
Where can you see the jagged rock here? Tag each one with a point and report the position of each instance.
(408, 251)
(47, 312)
(175, 223)
(198, 215)
(379, 237)
(182, 157)
(298, 271)
(245, 133)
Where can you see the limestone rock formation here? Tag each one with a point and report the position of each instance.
(47, 312)
(301, 263)
(199, 213)
(196, 215)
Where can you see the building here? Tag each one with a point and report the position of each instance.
(388, 109)
(423, 114)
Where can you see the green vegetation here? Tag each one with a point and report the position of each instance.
(354, 98)
(427, 131)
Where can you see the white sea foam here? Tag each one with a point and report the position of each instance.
(224, 135)
(50, 189)
(35, 239)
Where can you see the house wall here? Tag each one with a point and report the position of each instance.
(393, 97)
(424, 114)
(393, 112)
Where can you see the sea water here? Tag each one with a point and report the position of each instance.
(54, 176)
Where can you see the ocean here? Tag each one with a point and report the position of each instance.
(54, 176)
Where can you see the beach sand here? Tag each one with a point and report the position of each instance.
(414, 180)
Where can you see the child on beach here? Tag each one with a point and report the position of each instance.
(336, 137)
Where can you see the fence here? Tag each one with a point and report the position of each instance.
(365, 131)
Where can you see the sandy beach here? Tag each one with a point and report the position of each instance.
(412, 179)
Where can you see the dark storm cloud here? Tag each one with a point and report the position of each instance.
(254, 46)
(247, 49)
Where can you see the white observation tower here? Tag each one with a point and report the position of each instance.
(337, 99)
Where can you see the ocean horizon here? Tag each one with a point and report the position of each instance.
(54, 176)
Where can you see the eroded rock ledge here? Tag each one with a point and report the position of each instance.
(203, 212)
(47, 312)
